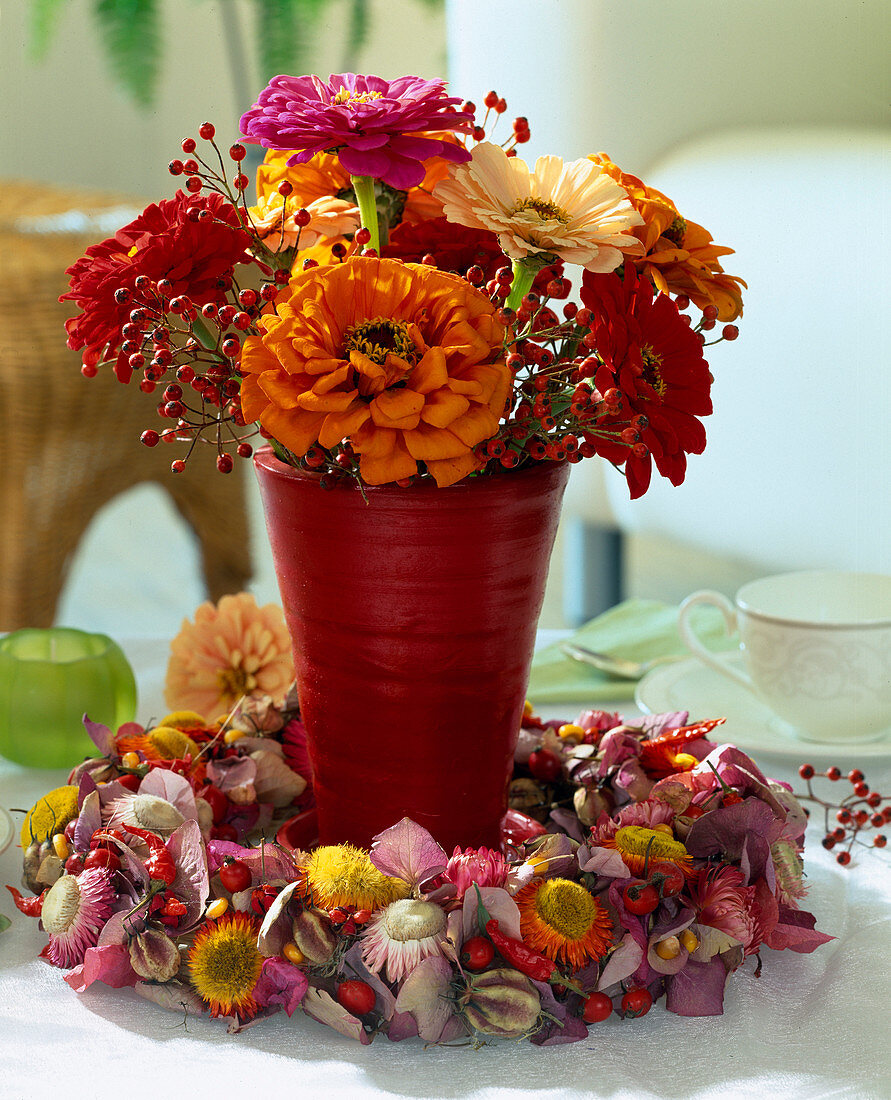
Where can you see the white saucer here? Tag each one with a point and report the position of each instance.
(690, 685)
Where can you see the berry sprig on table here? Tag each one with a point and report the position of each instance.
(859, 811)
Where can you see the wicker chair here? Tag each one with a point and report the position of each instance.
(68, 445)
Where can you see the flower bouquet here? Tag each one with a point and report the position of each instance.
(663, 862)
(396, 315)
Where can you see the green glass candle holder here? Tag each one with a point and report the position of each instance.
(49, 679)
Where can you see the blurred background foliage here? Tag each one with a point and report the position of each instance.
(132, 38)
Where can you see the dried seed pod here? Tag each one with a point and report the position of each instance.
(154, 956)
(314, 936)
(528, 797)
(502, 1002)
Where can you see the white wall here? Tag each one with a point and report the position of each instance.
(635, 78)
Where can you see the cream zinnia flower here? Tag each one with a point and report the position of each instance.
(232, 649)
(574, 211)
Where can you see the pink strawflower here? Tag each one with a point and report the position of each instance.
(74, 913)
(476, 865)
(647, 814)
(380, 128)
(723, 902)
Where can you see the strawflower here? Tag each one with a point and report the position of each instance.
(399, 937)
(164, 242)
(562, 920)
(723, 902)
(232, 649)
(379, 128)
(679, 255)
(639, 845)
(224, 965)
(74, 913)
(480, 866)
(341, 875)
(404, 362)
(656, 361)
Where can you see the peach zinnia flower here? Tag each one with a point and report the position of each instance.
(232, 649)
(574, 211)
(402, 360)
(322, 181)
(679, 255)
(329, 217)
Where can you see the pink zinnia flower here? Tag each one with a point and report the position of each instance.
(476, 865)
(723, 902)
(380, 128)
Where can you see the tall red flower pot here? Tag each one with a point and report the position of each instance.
(412, 614)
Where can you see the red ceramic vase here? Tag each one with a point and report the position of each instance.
(412, 614)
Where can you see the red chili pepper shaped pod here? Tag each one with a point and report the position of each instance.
(31, 907)
(160, 863)
(534, 965)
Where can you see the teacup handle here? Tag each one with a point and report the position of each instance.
(692, 642)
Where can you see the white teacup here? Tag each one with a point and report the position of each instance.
(817, 649)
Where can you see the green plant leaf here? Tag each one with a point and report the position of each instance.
(4, 922)
(284, 35)
(44, 16)
(130, 33)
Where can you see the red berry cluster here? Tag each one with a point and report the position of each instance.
(497, 106)
(556, 409)
(857, 812)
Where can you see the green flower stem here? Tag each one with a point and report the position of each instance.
(524, 276)
(363, 186)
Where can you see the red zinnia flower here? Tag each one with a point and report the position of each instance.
(454, 247)
(164, 242)
(652, 356)
(380, 128)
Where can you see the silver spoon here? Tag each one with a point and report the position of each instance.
(614, 666)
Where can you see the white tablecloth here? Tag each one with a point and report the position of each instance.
(810, 1026)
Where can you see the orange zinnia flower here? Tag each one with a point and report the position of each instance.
(680, 255)
(403, 361)
(562, 920)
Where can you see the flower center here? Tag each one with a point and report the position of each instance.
(546, 211)
(635, 840)
(60, 906)
(379, 338)
(234, 682)
(346, 98)
(566, 907)
(413, 920)
(651, 373)
(676, 231)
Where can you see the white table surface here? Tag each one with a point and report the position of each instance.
(811, 1026)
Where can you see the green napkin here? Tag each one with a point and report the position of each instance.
(636, 629)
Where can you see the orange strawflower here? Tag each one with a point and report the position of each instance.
(231, 650)
(562, 920)
(639, 846)
(679, 255)
(403, 361)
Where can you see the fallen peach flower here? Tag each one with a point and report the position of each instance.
(231, 650)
